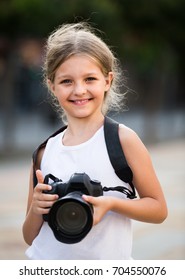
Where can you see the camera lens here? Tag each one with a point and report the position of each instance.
(71, 217)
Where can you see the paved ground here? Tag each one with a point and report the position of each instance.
(164, 241)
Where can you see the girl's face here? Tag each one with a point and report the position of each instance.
(80, 86)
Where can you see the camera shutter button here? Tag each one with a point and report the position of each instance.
(95, 182)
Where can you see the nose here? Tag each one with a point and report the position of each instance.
(79, 89)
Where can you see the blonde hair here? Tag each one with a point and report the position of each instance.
(80, 38)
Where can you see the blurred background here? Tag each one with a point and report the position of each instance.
(148, 38)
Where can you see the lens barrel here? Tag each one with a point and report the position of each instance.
(71, 218)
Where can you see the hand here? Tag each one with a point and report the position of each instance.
(101, 205)
(41, 202)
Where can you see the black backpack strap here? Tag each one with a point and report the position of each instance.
(115, 152)
(116, 155)
(41, 146)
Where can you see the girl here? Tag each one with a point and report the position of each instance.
(83, 75)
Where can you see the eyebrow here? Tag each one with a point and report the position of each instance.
(68, 76)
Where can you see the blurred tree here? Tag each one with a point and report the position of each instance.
(154, 43)
(38, 17)
(148, 37)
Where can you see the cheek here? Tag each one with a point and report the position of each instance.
(61, 98)
(60, 93)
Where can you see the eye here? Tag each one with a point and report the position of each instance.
(66, 81)
(89, 79)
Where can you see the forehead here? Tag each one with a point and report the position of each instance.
(79, 62)
(83, 57)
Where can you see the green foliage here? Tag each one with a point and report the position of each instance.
(127, 23)
(145, 33)
(38, 17)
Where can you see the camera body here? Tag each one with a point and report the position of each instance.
(70, 217)
(78, 182)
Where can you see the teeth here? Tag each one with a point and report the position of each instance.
(80, 102)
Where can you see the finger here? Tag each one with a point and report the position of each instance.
(42, 187)
(49, 197)
(41, 211)
(89, 198)
(45, 204)
(39, 175)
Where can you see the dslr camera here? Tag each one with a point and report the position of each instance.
(70, 217)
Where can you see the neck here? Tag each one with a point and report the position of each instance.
(81, 130)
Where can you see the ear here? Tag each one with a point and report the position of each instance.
(109, 80)
(51, 86)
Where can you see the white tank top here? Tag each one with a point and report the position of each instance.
(109, 239)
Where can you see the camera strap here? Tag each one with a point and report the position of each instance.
(129, 193)
(52, 177)
(117, 157)
(121, 189)
(115, 152)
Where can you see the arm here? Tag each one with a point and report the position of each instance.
(37, 205)
(151, 205)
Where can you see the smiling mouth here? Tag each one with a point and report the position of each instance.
(81, 101)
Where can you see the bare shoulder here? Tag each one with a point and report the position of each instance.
(129, 137)
(134, 149)
(139, 160)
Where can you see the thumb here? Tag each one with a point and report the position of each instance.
(89, 198)
(39, 175)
